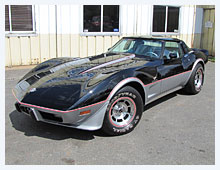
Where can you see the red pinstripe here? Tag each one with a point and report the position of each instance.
(40, 107)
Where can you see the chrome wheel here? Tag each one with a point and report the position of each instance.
(122, 111)
(198, 79)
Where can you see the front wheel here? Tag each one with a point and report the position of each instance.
(123, 112)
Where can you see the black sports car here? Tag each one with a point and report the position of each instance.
(109, 91)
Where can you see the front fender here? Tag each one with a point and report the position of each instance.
(107, 88)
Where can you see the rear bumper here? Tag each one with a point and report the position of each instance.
(73, 119)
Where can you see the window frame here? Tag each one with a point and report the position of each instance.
(166, 19)
(101, 33)
(186, 48)
(21, 33)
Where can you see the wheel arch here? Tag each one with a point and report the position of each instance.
(133, 82)
(199, 61)
(202, 63)
(138, 87)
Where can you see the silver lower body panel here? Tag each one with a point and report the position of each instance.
(91, 121)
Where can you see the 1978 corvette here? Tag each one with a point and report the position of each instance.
(109, 91)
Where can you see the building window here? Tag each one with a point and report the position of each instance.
(166, 19)
(101, 18)
(19, 18)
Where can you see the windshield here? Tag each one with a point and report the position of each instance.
(149, 48)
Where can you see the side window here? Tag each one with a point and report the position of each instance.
(184, 47)
(181, 51)
(173, 48)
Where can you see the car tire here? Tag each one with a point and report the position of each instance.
(123, 113)
(196, 80)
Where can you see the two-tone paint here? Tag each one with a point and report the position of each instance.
(58, 90)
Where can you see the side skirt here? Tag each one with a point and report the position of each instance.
(163, 94)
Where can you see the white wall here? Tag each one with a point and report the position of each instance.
(135, 19)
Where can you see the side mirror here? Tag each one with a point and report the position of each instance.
(173, 55)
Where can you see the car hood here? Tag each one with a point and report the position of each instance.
(59, 83)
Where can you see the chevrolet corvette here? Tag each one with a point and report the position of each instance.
(109, 91)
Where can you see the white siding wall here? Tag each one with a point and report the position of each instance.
(60, 37)
(135, 19)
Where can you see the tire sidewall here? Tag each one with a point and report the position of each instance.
(199, 66)
(131, 94)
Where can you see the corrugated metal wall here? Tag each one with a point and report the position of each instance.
(208, 33)
(58, 33)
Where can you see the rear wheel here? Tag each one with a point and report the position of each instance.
(123, 112)
(196, 80)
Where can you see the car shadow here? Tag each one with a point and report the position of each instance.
(30, 127)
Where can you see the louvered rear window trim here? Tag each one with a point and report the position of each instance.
(22, 33)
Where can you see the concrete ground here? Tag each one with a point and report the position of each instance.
(177, 129)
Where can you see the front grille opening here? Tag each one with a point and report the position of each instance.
(32, 79)
(52, 117)
(25, 109)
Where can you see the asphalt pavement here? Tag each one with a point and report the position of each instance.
(177, 129)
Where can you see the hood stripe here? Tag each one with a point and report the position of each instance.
(109, 63)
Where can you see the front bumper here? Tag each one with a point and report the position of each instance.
(69, 118)
(92, 121)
